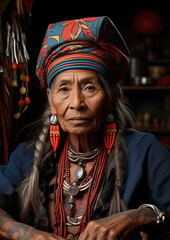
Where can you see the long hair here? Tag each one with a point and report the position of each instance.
(118, 160)
(43, 154)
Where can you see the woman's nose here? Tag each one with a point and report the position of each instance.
(76, 99)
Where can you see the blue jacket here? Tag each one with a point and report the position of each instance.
(148, 177)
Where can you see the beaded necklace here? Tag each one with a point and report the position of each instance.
(85, 180)
(81, 183)
(80, 159)
(60, 218)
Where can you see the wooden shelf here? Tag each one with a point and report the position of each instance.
(159, 61)
(157, 131)
(146, 88)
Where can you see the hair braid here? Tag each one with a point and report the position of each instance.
(30, 185)
(124, 119)
(120, 165)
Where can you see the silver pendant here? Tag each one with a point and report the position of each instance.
(73, 190)
(69, 204)
(71, 199)
(79, 173)
(73, 220)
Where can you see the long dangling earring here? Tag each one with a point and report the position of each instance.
(54, 133)
(109, 132)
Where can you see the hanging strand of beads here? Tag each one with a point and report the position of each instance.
(15, 62)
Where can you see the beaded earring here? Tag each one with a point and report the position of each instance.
(109, 132)
(54, 133)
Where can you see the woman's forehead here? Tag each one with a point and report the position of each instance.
(79, 74)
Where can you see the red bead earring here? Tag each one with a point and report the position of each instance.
(109, 132)
(54, 133)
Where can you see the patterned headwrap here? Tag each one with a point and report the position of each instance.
(87, 43)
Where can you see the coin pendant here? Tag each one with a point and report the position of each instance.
(73, 190)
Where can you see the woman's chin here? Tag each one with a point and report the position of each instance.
(80, 130)
(77, 127)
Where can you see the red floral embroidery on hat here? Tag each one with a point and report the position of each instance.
(43, 52)
(73, 29)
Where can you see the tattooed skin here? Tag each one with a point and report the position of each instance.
(11, 229)
(21, 231)
(2, 221)
(133, 214)
(24, 232)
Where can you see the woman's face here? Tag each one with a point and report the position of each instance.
(79, 101)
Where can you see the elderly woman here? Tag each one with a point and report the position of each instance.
(87, 174)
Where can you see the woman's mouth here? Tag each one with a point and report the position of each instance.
(79, 120)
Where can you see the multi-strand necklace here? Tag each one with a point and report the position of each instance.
(82, 179)
(60, 215)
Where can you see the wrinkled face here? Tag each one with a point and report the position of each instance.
(80, 102)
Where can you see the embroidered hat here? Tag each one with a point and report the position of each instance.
(87, 43)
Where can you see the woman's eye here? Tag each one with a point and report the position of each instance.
(63, 89)
(90, 88)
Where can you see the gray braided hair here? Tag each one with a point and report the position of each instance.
(118, 161)
(29, 187)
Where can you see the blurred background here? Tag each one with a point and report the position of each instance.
(144, 25)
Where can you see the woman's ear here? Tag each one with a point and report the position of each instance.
(53, 110)
(48, 91)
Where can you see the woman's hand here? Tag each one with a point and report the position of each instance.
(119, 226)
